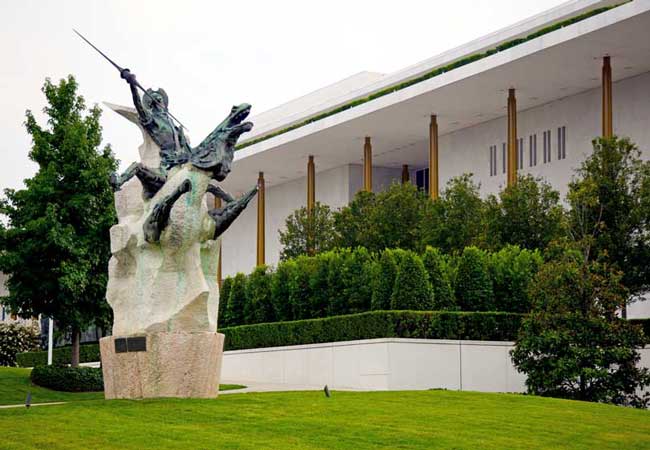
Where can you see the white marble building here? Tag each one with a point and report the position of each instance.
(558, 83)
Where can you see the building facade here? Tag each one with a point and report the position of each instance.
(526, 99)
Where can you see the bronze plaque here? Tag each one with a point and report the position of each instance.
(137, 344)
(120, 345)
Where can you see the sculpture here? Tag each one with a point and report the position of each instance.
(165, 250)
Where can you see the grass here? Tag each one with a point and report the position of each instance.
(15, 383)
(417, 419)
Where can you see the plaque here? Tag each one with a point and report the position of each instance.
(120, 345)
(137, 344)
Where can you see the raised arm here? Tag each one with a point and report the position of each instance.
(137, 102)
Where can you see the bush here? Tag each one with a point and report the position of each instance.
(281, 290)
(492, 326)
(69, 379)
(512, 270)
(355, 279)
(473, 283)
(60, 356)
(319, 285)
(436, 267)
(412, 289)
(258, 307)
(300, 294)
(307, 234)
(224, 294)
(236, 301)
(16, 338)
(384, 272)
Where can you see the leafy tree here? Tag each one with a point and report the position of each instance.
(384, 272)
(55, 248)
(527, 214)
(473, 283)
(356, 280)
(224, 295)
(281, 290)
(319, 285)
(512, 271)
(573, 344)
(307, 234)
(300, 294)
(610, 200)
(337, 300)
(455, 220)
(436, 267)
(352, 222)
(236, 301)
(258, 307)
(412, 289)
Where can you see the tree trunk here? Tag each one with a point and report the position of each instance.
(76, 337)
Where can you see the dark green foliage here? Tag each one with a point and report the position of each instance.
(573, 344)
(473, 283)
(512, 271)
(527, 214)
(300, 293)
(307, 234)
(60, 356)
(236, 301)
(258, 307)
(68, 379)
(352, 222)
(224, 295)
(438, 271)
(55, 249)
(356, 279)
(16, 338)
(384, 272)
(454, 221)
(433, 73)
(319, 285)
(412, 290)
(281, 290)
(376, 324)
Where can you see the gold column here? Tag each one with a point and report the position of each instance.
(217, 204)
(367, 166)
(433, 157)
(512, 138)
(608, 129)
(405, 174)
(260, 220)
(311, 184)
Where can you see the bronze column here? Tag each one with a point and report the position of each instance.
(608, 129)
(512, 138)
(367, 166)
(260, 220)
(433, 157)
(405, 174)
(311, 184)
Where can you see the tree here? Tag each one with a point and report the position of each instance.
(455, 220)
(473, 283)
(412, 289)
(436, 267)
(300, 294)
(610, 200)
(224, 295)
(527, 214)
(258, 307)
(512, 271)
(573, 344)
(352, 222)
(236, 301)
(355, 278)
(281, 290)
(55, 248)
(307, 234)
(384, 272)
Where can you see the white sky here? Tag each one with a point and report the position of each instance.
(209, 55)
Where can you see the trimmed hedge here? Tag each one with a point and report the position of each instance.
(69, 379)
(485, 326)
(432, 73)
(60, 356)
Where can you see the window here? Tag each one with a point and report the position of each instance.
(532, 150)
(493, 160)
(520, 153)
(561, 143)
(547, 146)
(503, 156)
(422, 179)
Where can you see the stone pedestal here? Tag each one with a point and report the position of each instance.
(176, 364)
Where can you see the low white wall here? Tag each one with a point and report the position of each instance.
(384, 364)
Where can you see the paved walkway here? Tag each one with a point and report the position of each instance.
(22, 405)
(267, 387)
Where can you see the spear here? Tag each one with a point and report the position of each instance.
(138, 85)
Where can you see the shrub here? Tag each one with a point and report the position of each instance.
(473, 283)
(319, 285)
(60, 356)
(492, 326)
(384, 272)
(16, 338)
(412, 289)
(300, 293)
(512, 271)
(436, 267)
(258, 307)
(236, 301)
(69, 379)
(356, 280)
(281, 289)
(224, 295)
(307, 234)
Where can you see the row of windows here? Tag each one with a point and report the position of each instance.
(532, 151)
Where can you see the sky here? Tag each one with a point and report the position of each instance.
(210, 55)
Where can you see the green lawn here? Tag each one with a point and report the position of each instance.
(424, 419)
(15, 383)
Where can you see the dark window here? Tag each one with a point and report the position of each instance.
(532, 150)
(422, 179)
(520, 153)
(561, 143)
(503, 156)
(547, 146)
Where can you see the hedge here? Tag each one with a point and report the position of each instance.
(60, 356)
(69, 379)
(430, 74)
